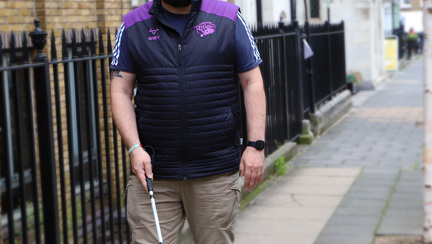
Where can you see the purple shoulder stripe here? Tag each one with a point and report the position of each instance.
(220, 8)
(137, 15)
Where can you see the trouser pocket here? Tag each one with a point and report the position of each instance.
(229, 203)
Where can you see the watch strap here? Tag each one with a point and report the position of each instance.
(259, 144)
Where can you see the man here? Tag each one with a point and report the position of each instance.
(412, 43)
(184, 56)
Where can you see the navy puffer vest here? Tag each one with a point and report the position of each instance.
(187, 101)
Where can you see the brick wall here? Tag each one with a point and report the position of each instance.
(56, 15)
(16, 15)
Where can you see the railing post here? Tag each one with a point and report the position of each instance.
(309, 71)
(288, 112)
(330, 59)
(45, 138)
(300, 68)
(343, 62)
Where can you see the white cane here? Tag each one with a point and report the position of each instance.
(153, 204)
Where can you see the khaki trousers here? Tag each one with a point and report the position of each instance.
(209, 204)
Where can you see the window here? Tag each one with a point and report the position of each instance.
(405, 4)
(137, 3)
(314, 8)
(80, 132)
(9, 122)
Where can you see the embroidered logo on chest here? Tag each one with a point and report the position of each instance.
(153, 38)
(205, 28)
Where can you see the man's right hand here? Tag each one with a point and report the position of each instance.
(141, 165)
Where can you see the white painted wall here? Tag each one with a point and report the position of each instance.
(274, 9)
(379, 39)
(413, 19)
(364, 36)
(248, 9)
(388, 17)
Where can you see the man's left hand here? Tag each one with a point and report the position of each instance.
(252, 167)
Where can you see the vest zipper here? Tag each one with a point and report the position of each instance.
(179, 58)
(182, 111)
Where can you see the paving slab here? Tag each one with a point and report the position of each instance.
(357, 211)
(354, 220)
(243, 238)
(296, 208)
(344, 239)
(295, 200)
(349, 229)
(404, 215)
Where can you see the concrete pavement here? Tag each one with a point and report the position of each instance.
(360, 178)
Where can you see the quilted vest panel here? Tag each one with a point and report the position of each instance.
(187, 102)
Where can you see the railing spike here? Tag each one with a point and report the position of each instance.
(53, 46)
(92, 43)
(64, 48)
(1, 51)
(101, 45)
(12, 49)
(83, 43)
(74, 45)
(26, 55)
(109, 46)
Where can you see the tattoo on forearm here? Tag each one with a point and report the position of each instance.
(116, 73)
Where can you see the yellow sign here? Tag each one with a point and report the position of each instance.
(391, 53)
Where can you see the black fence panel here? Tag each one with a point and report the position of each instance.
(294, 79)
(320, 63)
(295, 86)
(273, 75)
(337, 59)
(328, 61)
(279, 46)
(19, 189)
(73, 160)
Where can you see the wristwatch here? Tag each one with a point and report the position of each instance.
(259, 144)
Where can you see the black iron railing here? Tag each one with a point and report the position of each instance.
(296, 86)
(78, 161)
(282, 74)
(329, 72)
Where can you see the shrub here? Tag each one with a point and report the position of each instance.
(354, 77)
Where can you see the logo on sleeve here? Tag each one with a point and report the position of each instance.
(205, 28)
(152, 38)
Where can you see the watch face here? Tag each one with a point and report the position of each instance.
(260, 145)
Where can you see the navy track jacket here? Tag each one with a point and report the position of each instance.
(187, 101)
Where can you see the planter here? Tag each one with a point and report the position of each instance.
(353, 87)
